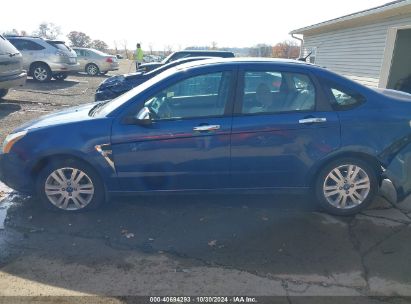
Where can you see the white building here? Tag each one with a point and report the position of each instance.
(372, 46)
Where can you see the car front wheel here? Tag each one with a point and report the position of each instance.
(346, 186)
(70, 185)
(41, 72)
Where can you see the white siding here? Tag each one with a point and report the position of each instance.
(355, 52)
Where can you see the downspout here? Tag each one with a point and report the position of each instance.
(302, 43)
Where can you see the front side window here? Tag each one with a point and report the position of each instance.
(198, 96)
(276, 92)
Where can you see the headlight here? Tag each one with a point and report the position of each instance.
(12, 139)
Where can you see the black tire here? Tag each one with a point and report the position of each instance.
(60, 76)
(322, 182)
(3, 93)
(92, 69)
(41, 72)
(96, 199)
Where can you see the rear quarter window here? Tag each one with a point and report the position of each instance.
(343, 98)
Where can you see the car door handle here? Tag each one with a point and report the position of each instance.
(206, 128)
(312, 120)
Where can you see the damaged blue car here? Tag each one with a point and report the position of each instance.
(221, 124)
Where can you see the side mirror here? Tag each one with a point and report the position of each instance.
(143, 117)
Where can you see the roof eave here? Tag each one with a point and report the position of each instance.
(356, 19)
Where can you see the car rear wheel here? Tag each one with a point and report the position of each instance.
(60, 76)
(92, 69)
(70, 185)
(41, 72)
(3, 92)
(346, 186)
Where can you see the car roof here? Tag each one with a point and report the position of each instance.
(203, 51)
(243, 60)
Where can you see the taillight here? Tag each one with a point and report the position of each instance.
(109, 59)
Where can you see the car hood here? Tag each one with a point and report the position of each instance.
(70, 115)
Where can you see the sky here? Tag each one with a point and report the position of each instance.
(178, 23)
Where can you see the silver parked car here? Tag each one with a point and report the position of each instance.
(94, 62)
(44, 59)
(11, 67)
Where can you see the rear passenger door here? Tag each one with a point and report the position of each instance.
(30, 50)
(281, 126)
(81, 58)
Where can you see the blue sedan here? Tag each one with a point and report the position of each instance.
(221, 124)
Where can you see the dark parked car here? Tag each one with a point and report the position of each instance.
(244, 124)
(146, 67)
(119, 84)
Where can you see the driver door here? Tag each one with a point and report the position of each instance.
(186, 145)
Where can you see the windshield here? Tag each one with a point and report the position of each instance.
(112, 105)
(6, 48)
(165, 60)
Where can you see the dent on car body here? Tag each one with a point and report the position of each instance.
(396, 184)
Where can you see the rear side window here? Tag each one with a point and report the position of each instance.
(269, 92)
(343, 98)
(59, 45)
(26, 45)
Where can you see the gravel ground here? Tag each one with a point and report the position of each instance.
(172, 245)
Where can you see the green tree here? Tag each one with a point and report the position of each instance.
(99, 45)
(79, 39)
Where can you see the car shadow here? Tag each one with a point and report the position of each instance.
(259, 234)
(48, 86)
(87, 76)
(8, 108)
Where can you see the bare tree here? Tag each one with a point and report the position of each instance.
(124, 44)
(168, 49)
(213, 45)
(150, 47)
(115, 46)
(48, 31)
(286, 49)
(261, 50)
(13, 32)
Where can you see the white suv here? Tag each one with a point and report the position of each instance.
(11, 71)
(45, 59)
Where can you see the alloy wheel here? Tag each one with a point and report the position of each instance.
(40, 73)
(69, 189)
(346, 186)
(92, 69)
